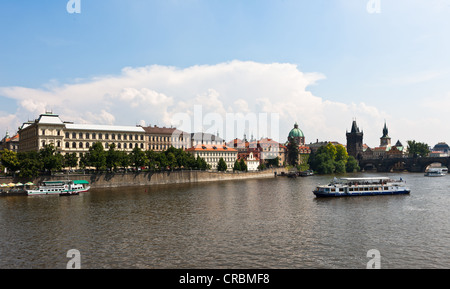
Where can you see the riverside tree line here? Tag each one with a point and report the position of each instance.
(48, 160)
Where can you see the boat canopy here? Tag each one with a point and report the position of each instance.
(80, 182)
(366, 179)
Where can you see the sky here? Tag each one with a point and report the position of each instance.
(231, 66)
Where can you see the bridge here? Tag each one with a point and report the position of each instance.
(410, 164)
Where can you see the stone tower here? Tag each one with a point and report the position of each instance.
(355, 142)
(385, 140)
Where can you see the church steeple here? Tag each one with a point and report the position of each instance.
(385, 130)
(385, 140)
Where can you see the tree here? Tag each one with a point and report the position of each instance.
(202, 164)
(96, 156)
(9, 160)
(329, 159)
(237, 166)
(70, 160)
(418, 149)
(51, 159)
(292, 152)
(352, 165)
(221, 165)
(30, 164)
(123, 159)
(138, 158)
(341, 153)
(243, 165)
(112, 157)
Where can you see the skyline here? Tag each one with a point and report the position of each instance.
(318, 63)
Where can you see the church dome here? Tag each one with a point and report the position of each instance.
(296, 132)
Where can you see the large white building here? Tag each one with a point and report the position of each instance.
(68, 137)
(212, 154)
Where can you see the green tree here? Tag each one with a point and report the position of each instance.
(10, 160)
(123, 159)
(292, 152)
(112, 157)
(96, 156)
(237, 166)
(341, 153)
(31, 164)
(202, 164)
(243, 165)
(352, 165)
(138, 158)
(221, 165)
(70, 160)
(416, 149)
(51, 159)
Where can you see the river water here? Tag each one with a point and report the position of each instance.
(274, 223)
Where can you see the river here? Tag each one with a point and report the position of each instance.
(274, 223)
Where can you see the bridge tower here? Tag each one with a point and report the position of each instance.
(355, 142)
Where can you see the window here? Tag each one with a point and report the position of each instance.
(67, 145)
(80, 135)
(80, 145)
(106, 136)
(113, 136)
(67, 135)
(119, 136)
(94, 135)
(74, 145)
(74, 135)
(100, 136)
(87, 145)
(87, 135)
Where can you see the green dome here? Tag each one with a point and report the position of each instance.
(296, 132)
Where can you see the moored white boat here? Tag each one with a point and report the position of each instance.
(436, 172)
(361, 187)
(63, 188)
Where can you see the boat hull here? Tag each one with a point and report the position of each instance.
(356, 194)
(61, 193)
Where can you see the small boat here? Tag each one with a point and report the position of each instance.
(307, 173)
(436, 172)
(362, 187)
(62, 188)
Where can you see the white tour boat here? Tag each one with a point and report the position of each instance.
(362, 187)
(436, 172)
(62, 188)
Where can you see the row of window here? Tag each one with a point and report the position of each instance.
(87, 145)
(106, 136)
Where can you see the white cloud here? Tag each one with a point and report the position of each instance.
(156, 94)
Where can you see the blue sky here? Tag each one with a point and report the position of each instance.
(393, 65)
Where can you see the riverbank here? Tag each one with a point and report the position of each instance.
(114, 180)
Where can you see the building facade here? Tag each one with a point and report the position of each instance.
(212, 154)
(10, 142)
(162, 138)
(68, 137)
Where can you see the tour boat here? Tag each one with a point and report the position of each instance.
(436, 172)
(62, 188)
(362, 187)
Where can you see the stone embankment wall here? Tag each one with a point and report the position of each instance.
(111, 180)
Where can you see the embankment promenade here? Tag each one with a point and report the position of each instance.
(129, 179)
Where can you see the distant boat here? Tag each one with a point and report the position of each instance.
(62, 188)
(361, 187)
(436, 172)
(306, 173)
